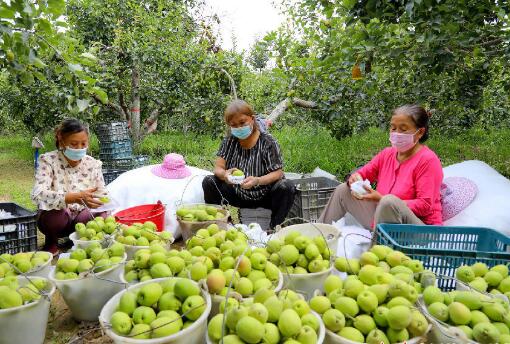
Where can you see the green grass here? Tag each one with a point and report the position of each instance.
(304, 148)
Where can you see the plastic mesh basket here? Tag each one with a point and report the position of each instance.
(312, 195)
(110, 175)
(443, 249)
(19, 233)
(115, 150)
(114, 131)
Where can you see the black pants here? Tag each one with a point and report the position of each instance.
(279, 199)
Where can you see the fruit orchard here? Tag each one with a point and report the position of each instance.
(345, 64)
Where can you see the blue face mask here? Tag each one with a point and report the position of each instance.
(75, 154)
(242, 132)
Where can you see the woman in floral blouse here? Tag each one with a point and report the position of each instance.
(68, 183)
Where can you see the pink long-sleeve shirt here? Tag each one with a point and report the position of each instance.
(416, 181)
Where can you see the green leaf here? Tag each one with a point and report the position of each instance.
(27, 78)
(6, 13)
(44, 25)
(89, 56)
(56, 7)
(103, 97)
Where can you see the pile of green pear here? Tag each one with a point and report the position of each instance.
(93, 258)
(14, 295)
(267, 318)
(299, 254)
(23, 262)
(375, 303)
(145, 234)
(157, 310)
(96, 229)
(212, 255)
(224, 258)
(494, 280)
(199, 213)
(477, 316)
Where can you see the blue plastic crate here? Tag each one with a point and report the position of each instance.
(443, 249)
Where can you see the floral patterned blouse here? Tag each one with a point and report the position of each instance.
(55, 177)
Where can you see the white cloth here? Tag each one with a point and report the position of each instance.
(490, 206)
(140, 186)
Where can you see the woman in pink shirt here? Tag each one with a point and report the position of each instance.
(408, 176)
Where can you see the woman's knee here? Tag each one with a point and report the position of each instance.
(52, 222)
(284, 186)
(389, 202)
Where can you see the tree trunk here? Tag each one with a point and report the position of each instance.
(135, 102)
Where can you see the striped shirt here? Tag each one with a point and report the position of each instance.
(263, 158)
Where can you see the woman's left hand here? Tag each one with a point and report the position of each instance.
(371, 195)
(250, 182)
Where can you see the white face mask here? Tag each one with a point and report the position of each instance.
(74, 154)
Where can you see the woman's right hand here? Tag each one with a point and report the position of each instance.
(354, 178)
(86, 196)
(228, 173)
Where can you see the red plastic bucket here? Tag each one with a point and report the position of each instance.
(143, 213)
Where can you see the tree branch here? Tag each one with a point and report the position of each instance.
(112, 106)
(232, 82)
(287, 102)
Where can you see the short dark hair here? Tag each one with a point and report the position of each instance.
(418, 114)
(68, 127)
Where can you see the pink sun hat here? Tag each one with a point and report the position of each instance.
(173, 167)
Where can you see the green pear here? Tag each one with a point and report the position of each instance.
(380, 316)
(310, 320)
(399, 317)
(121, 323)
(166, 326)
(334, 320)
(289, 323)
(259, 312)
(193, 307)
(149, 294)
(127, 303)
(320, 304)
(377, 337)
(214, 328)
(271, 334)
(486, 333)
(352, 334)
(184, 288)
(274, 307)
(143, 315)
(364, 323)
(432, 294)
(397, 336)
(480, 269)
(140, 331)
(465, 274)
(347, 306)
(250, 329)
(419, 324)
(367, 301)
(307, 335)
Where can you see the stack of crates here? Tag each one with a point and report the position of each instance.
(115, 150)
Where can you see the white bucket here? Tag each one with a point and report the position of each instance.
(131, 250)
(86, 243)
(188, 229)
(217, 299)
(26, 324)
(442, 332)
(86, 296)
(43, 270)
(330, 233)
(194, 334)
(333, 338)
(306, 284)
(321, 336)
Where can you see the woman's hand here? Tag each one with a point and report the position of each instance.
(250, 182)
(227, 173)
(372, 195)
(86, 196)
(354, 178)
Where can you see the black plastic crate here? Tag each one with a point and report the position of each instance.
(312, 195)
(19, 233)
(110, 175)
(115, 150)
(126, 163)
(114, 131)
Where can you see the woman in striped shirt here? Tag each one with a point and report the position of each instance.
(258, 155)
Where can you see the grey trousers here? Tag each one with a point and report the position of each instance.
(390, 209)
